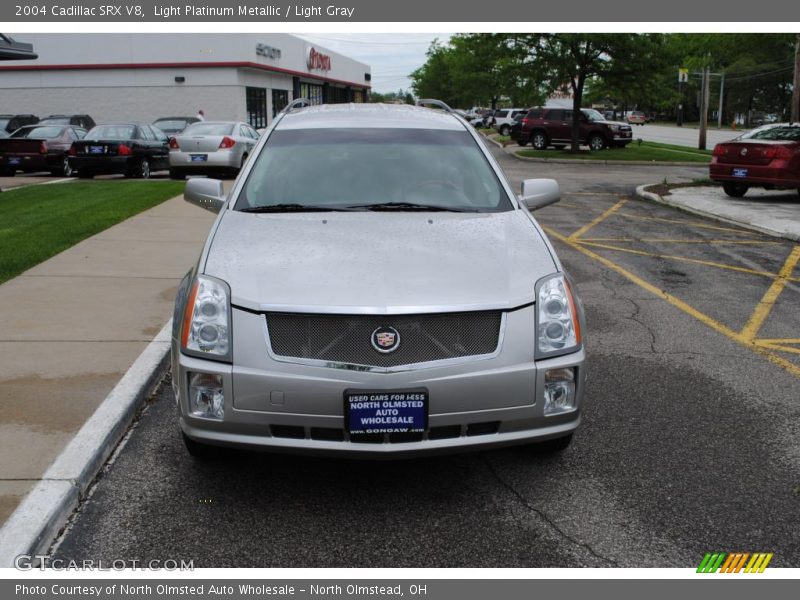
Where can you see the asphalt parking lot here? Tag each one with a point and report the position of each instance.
(689, 441)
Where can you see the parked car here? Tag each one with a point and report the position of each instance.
(636, 118)
(83, 121)
(324, 317)
(10, 123)
(504, 119)
(543, 127)
(174, 125)
(39, 148)
(516, 127)
(211, 146)
(129, 148)
(769, 158)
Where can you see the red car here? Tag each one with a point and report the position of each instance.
(39, 148)
(768, 159)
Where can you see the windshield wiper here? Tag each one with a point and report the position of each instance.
(409, 206)
(292, 207)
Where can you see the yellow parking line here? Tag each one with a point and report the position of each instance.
(697, 261)
(764, 307)
(598, 220)
(673, 241)
(681, 305)
(688, 223)
(774, 346)
(780, 340)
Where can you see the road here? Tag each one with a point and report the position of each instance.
(681, 136)
(689, 441)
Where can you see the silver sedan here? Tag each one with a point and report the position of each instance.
(211, 147)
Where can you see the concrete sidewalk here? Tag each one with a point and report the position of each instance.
(73, 325)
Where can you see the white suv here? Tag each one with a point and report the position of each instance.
(504, 119)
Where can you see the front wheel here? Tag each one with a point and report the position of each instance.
(539, 140)
(505, 130)
(597, 142)
(735, 190)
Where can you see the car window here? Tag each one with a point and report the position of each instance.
(567, 115)
(170, 124)
(535, 113)
(202, 128)
(146, 133)
(555, 115)
(592, 114)
(243, 131)
(47, 132)
(789, 134)
(4, 123)
(80, 133)
(501, 114)
(355, 167)
(160, 135)
(111, 132)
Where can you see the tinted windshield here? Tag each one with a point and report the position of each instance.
(38, 132)
(111, 132)
(209, 129)
(592, 114)
(357, 167)
(789, 134)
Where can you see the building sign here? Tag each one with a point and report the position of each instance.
(267, 51)
(317, 60)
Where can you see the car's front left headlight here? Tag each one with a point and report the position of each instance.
(558, 328)
(206, 330)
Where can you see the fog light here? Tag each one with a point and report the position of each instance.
(559, 391)
(206, 397)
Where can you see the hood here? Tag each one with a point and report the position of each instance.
(619, 123)
(378, 262)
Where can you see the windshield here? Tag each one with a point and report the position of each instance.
(209, 129)
(37, 132)
(111, 132)
(170, 124)
(330, 168)
(592, 114)
(789, 134)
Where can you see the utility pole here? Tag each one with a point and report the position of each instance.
(721, 95)
(701, 144)
(796, 85)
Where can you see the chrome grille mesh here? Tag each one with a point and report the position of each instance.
(347, 338)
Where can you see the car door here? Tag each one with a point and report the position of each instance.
(161, 151)
(556, 125)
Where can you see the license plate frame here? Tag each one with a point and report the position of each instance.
(198, 158)
(14, 160)
(97, 149)
(739, 172)
(387, 406)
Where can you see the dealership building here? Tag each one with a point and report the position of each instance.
(144, 76)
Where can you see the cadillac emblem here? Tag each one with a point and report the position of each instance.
(385, 339)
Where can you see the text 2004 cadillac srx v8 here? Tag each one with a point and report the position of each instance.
(373, 287)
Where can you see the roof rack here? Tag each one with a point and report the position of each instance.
(296, 103)
(434, 102)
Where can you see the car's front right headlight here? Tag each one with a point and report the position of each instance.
(558, 328)
(206, 330)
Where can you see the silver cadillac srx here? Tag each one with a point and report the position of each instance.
(372, 287)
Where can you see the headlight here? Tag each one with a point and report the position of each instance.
(614, 128)
(206, 319)
(558, 329)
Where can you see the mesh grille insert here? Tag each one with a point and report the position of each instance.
(348, 338)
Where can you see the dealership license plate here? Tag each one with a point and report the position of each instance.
(740, 172)
(198, 157)
(386, 412)
(97, 149)
(14, 160)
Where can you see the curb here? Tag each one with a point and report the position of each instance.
(653, 197)
(36, 522)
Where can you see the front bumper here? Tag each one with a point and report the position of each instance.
(282, 406)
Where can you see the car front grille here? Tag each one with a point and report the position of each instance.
(347, 339)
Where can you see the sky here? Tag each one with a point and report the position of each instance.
(392, 56)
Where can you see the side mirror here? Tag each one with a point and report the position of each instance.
(538, 193)
(205, 193)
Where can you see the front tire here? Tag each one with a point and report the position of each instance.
(553, 446)
(597, 142)
(201, 451)
(505, 130)
(539, 140)
(735, 190)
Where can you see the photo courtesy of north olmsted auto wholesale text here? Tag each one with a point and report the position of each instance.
(372, 300)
